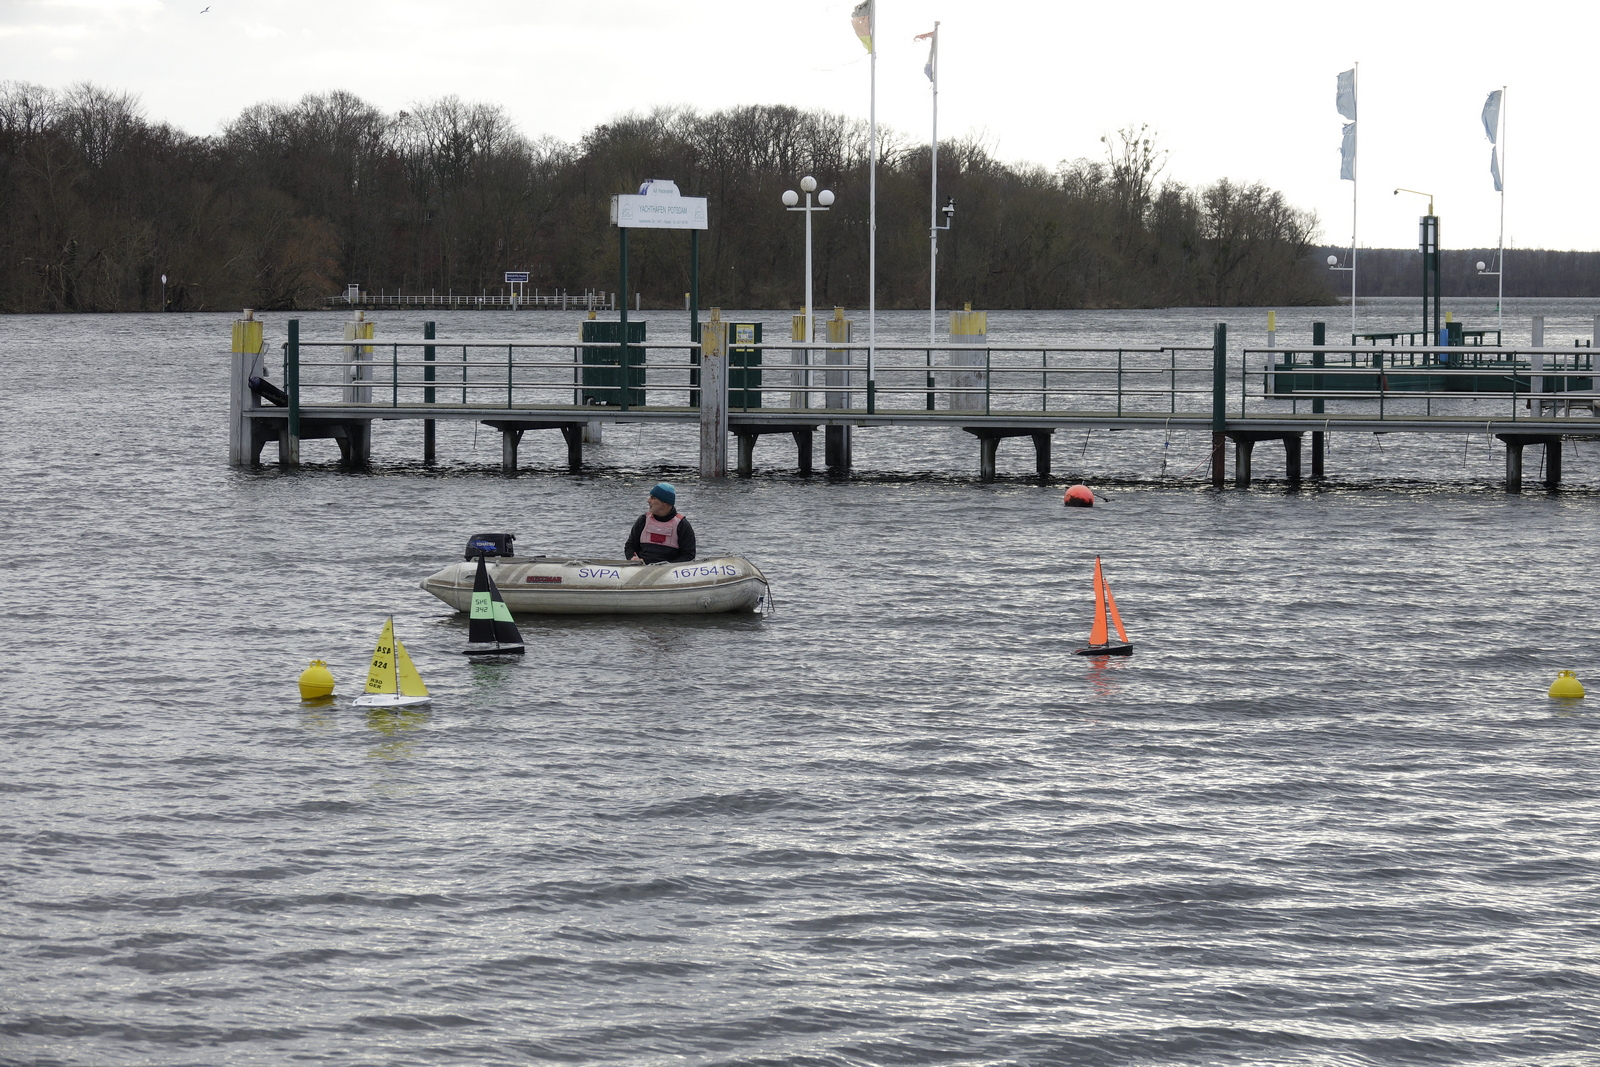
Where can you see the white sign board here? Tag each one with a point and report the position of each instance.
(658, 206)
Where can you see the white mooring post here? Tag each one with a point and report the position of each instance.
(359, 358)
(1536, 365)
(247, 360)
(714, 397)
(968, 327)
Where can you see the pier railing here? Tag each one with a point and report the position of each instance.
(588, 300)
(818, 378)
(830, 379)
(1405, 382)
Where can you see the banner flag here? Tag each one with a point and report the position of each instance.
(1494, 167)
(1346, 96)
(1491, 117)
(861, 22)
(1347, 153)
(932, 37)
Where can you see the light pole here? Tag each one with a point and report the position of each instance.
(163, 292)
(808, 184)
(1428, 245)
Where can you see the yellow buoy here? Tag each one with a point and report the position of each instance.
(1566, 686)
(316, 681)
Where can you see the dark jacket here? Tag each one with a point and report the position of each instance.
(661, 553)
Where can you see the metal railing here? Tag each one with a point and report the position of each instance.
(588, 300)
(829, 380)
(1426, 380)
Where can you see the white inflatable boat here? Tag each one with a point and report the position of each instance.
(571, 586)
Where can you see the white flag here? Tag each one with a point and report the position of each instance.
(1491, 117)
(1346, 96)
(1494, 168)
(1347, 153)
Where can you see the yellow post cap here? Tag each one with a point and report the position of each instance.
(1566, 687)
(316, 681)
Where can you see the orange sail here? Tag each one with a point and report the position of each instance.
(1111, 604)
(1097, 632)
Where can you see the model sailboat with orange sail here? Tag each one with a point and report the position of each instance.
(1105, 617)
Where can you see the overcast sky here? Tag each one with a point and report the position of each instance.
(1243, 90)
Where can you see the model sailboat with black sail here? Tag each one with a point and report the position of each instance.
(490, 631)
(1105, 617)
(392, 679)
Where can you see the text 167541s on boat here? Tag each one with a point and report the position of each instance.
(564, 585)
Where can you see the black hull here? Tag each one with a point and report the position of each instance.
(502, 650)
(1104, 650)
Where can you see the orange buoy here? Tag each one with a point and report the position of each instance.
(1078, 496)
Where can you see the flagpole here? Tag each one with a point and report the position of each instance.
(1355, 188)
(1500, 301)
(933, 204)
(872, 215)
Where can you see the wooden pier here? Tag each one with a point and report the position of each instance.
(333, 388)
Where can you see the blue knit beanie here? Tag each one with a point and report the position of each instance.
(665, 493)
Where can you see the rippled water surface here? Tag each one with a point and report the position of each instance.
(1326, 814)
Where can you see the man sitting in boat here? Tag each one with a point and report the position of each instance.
(661, 535)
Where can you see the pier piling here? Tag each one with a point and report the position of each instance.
(714, 397)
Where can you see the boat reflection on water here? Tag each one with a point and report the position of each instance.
(398, 725)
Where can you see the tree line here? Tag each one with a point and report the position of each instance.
(292, 201)
(1528, 272)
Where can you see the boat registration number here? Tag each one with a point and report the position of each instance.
(715, 570)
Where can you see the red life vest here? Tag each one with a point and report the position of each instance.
(657, 532)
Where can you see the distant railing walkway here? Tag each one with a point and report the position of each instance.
(993, 391)
(560, 300)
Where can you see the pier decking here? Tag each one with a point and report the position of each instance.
(338, 389)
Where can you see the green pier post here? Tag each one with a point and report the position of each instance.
(1219, 404)
(694, 317)
(622, 306)
(427, 394)
(291, 379)
(1319, 336)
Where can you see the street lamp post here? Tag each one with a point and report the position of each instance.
(808, 185)
(163, 292)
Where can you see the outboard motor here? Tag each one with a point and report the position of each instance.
(490, 544)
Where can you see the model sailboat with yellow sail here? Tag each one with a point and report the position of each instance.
(1105, 617)
(392, 680)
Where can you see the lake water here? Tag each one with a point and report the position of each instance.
(1326, 814)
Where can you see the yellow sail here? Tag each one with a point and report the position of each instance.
(410, 681)
(382, 677)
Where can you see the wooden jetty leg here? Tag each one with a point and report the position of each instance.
(1041, 452)
(1552, 463)
(1513, 461)
(988, 447)
(1291, 457)
(510, 438)
(836, 449)
(802, 445)
(1219, 460)
(575, 433)
(1318, 449)
(747, 453)
(1242, 449)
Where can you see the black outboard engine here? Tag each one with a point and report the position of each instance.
(490, 544)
